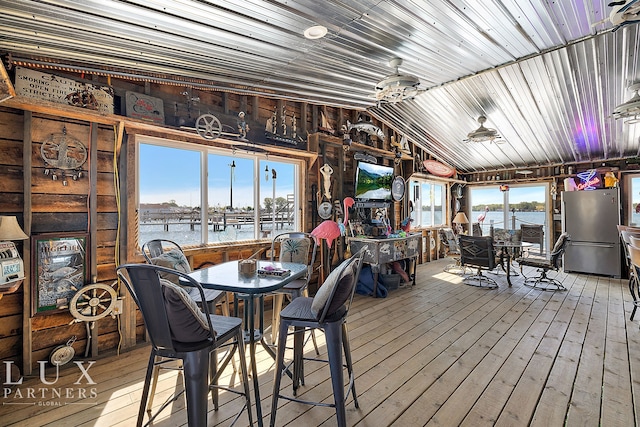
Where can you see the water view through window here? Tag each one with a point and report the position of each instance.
(238, 190)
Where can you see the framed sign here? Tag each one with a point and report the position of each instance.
(59, 269)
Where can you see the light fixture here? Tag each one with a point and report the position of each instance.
(315, 32)
(11, 265)
(397, 87)
(460, 219)
(10, 229)
(482, 134)
(630, 110)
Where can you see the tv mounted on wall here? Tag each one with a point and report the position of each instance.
(373, 182)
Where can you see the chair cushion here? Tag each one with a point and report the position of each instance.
(175, 260)
(188, 323)
(339, 277)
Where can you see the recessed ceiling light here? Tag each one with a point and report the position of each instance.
(315, 32)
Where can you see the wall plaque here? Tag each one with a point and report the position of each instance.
(144, 107)
(49, 87)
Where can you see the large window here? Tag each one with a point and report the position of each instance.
(236, 190)
(634, 197)
(429, 200)
(521, 204)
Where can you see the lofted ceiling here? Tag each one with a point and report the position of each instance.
(546, 74)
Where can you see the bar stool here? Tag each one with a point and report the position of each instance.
(327, 311)
(178, 329)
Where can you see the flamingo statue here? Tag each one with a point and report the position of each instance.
(483, 215)
(330, 230)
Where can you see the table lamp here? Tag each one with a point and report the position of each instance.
(460, 219)
(11, 265)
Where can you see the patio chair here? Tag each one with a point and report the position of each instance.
(328, 311)
(449, 240)
(544, 265)
(179, 329)
(533, 233)
(478, 252)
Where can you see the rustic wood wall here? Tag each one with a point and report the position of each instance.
(89, 204)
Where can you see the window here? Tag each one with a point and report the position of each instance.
(236, 191)
(429, 200)
(634, 206)
(520, 204)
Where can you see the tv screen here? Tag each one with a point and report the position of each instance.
(373, 182)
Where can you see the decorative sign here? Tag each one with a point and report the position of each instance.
(59, 269)
(144, 107)
(439, 169)
(49, 87)
(588, 180)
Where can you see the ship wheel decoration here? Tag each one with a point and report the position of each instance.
(64, 156)
(93, 302)
(208, 126)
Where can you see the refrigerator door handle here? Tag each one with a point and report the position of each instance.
(594, 244)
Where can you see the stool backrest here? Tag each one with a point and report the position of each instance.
(157, 305)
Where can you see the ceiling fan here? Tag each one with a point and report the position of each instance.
(630, 110)
(483, 134)
(624, 12)
(397, 87)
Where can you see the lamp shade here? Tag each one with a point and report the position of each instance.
(10, 229)
(460, 218)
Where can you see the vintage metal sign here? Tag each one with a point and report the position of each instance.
(144, 107)
(49, 87)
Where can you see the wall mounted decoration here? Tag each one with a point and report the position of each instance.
(63, 156)
(49, 87)
(285, 130)
(439, 169)
(144, 107)
(59, 268)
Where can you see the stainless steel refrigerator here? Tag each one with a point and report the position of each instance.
(590, 218)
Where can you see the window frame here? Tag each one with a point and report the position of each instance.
(416, 214)
(204, 153)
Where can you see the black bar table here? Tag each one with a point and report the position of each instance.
(226, 277)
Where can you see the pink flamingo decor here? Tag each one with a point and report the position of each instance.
(483, 215)
(330, 230)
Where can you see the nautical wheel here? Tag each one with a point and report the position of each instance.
(208, 126)
(93, 302)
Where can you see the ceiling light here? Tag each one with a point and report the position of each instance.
(482, 134)
(315, 32)
(397, 87)
(630, 110)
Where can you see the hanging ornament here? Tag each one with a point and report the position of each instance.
(61, 153)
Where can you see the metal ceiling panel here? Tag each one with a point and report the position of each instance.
(547, 75)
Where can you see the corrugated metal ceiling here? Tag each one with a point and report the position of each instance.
(547, 75)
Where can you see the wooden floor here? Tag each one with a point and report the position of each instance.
(440, 353)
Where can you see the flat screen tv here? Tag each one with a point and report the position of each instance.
(373, 182)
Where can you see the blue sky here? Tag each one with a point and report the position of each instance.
(174, 174)
(492, 195)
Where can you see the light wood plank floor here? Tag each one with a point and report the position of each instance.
(440, 353)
